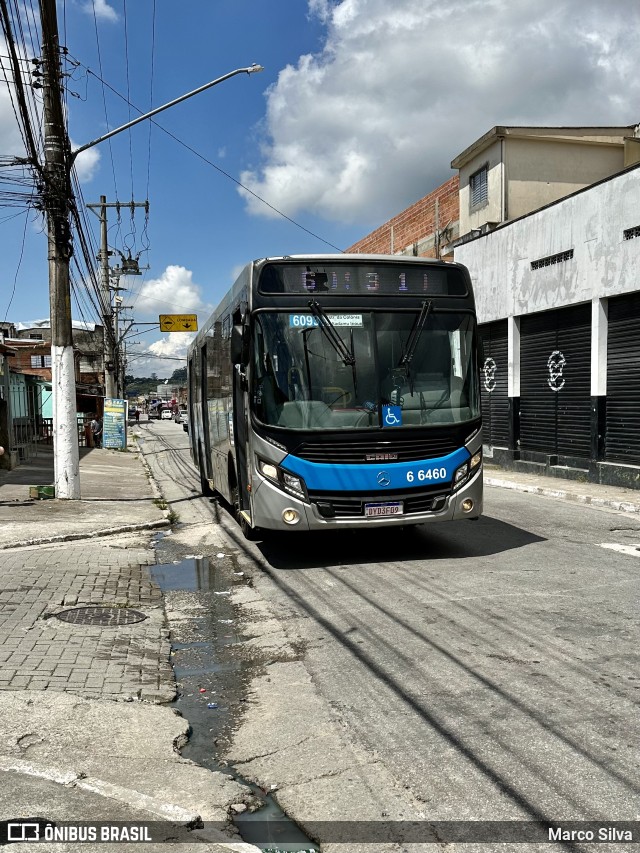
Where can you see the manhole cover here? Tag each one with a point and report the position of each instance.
(109, 616)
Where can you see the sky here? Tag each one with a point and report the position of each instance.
(358, 113)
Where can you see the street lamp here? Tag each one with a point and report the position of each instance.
(252, 69)
(59, 161)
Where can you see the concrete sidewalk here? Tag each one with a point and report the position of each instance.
(87, 733)
(607, 497)
(116, 496)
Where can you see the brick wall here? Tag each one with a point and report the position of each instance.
(22, 361)
(416, 224)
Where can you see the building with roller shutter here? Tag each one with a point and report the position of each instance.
(558, 300)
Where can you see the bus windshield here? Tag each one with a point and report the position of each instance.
(421, 364)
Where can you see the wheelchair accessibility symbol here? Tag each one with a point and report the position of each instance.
(391, 416)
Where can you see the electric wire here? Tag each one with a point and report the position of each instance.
(15, 278)
(18, 27)
(217, 168)
(153, 49)
(24, 121)
(126, 57)
(104, 100)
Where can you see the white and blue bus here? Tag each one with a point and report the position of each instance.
(340, 391)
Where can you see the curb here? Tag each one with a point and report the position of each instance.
(562, 494)
(125, 796)
(155, 488)
(71, 537)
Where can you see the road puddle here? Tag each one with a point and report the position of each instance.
(213, 680)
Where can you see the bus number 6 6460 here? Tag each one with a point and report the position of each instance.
(429, 474)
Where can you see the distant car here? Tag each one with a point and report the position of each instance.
(185, 421)
(178, 415)
(166, 415)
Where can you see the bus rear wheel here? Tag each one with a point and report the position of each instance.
(205, 488)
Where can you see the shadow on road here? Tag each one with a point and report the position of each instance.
(451, 541)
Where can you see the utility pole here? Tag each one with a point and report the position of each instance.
(109, 355)
(58, 197)
(56, 174)
(111, 342)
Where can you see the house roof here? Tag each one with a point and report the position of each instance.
(560, 134)
(46, 323)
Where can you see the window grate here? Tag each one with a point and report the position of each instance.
(630, 233)
(550, 260)
(479, 186)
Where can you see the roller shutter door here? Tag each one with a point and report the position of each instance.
(494, 374)
(555, 382)
(622, 437)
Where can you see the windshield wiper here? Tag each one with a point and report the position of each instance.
(329, 331)
(412, 342)
(414, 337)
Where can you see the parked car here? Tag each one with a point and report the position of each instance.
(185, 421)
(166, 415)
(179, 415)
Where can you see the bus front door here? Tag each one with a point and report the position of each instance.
(241, 436)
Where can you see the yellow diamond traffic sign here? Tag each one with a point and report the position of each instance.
(178, 323)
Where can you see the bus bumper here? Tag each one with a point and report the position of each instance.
(269, 505)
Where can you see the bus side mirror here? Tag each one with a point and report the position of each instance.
(237, 345)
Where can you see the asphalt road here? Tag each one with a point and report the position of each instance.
(490, 667)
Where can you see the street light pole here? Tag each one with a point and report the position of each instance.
(58, 196)
(252, 69)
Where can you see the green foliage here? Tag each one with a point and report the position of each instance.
(179, 376)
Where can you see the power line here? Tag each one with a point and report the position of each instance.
(15, 278)
(213, 165)
(104, 99)
(25, 125)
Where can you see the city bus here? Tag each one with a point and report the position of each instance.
(340, 391)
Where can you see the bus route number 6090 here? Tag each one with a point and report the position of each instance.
(427, 474)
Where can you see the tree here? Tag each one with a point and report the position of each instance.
(179, 376)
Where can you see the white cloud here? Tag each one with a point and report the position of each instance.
(102, 9)
(10, 139)
(174, 292)
(166, 355)
(86, 162)
(173, 344)
(372, 122)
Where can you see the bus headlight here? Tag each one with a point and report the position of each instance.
(465, 471)
(286, 481)
(270, 471)
(293, 483)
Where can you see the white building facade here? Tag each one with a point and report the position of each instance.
(558, 302)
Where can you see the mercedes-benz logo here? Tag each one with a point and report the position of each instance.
(383, 478)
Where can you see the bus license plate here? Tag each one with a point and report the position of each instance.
(372, 510)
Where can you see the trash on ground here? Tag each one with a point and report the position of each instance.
(225, 621)
(221, 555)
(226, 592)
(212, 705)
